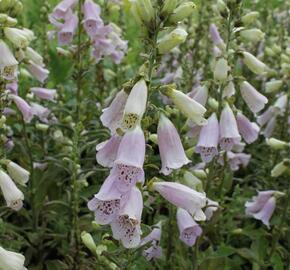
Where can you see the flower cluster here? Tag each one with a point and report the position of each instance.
(105, 39)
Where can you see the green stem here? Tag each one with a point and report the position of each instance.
(31, 181)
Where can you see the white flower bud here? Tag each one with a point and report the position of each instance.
(253, 35)
(221, 70)
(18, 174)
(273, 86)
(254, 64)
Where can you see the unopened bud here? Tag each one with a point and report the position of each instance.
(89, 242)
(276, 144)
(182, 12)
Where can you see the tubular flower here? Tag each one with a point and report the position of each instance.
(13, 196)
(23, 107)
(128, 165)
(249, 130)
(229, 134)
(255, 101)
(183, 197)
(44, 93)
(135, 105)
(208, 139)
(8, 63)
(112, 115)
(188, 106)
(10, 260)
(189, 230)
(126, 227)
(170, 147)
(107, 151)
(262, 206)
(107, 203)
(18, 174)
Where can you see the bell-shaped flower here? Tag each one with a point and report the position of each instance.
(183, 197)
(188, 106)
(229, 134)
(92, 18)
(12, 87)
(112, 115)
(235, 160)
(229, 90)
(154, 235)
(10, 260)
(255, 101)
(199, 94)
(262, 206)
(107, 203)
(127, 226)
(208, 139)
(135, 105)
(12, 195)
(253, 63)
(280, 104)
(249, 130)
(107, 151)
(17, 37)
(61, 10)
(44, 93)
(17, 173)
(128, 165)
(189, 230)
(266, 116)
(211, 207)
(38, 72)
(153, 252)
(268, 131)
(40, 111)
(8, 63)
(215, 36)
(273, 86)
(221, 70)
(23, 107)
(34, 56)
(170, 147)
(67, 31)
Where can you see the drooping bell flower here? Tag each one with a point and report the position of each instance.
(249, 130)
(92, 18)
(107, 203)
(229, 90)
(215, 36)
(262, 206)
(17, 37)
(199, 94)
(170, 147)
(61, 10)
(17, 173)
(253, 63)
(273, 86)
(67, 31)
(40, 111)
(128, 165)
(153, 252)
(208, 139)
(235, 160)
(268, 131)
(127, 226)
(38, 72)
(135, 105)
(12, 87)
(189, 230)
(44, 93)
(10, 260)
(23, 107)
(154, 235)
(280, 104)
(34, 56)
(183, 197)
(8, 63)
(221, 70)
(255, 101)
(112, 115)
(266, 116)
(12, 195)
(188, 106)
(107, 151)
(229, 134)
(211, 207)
